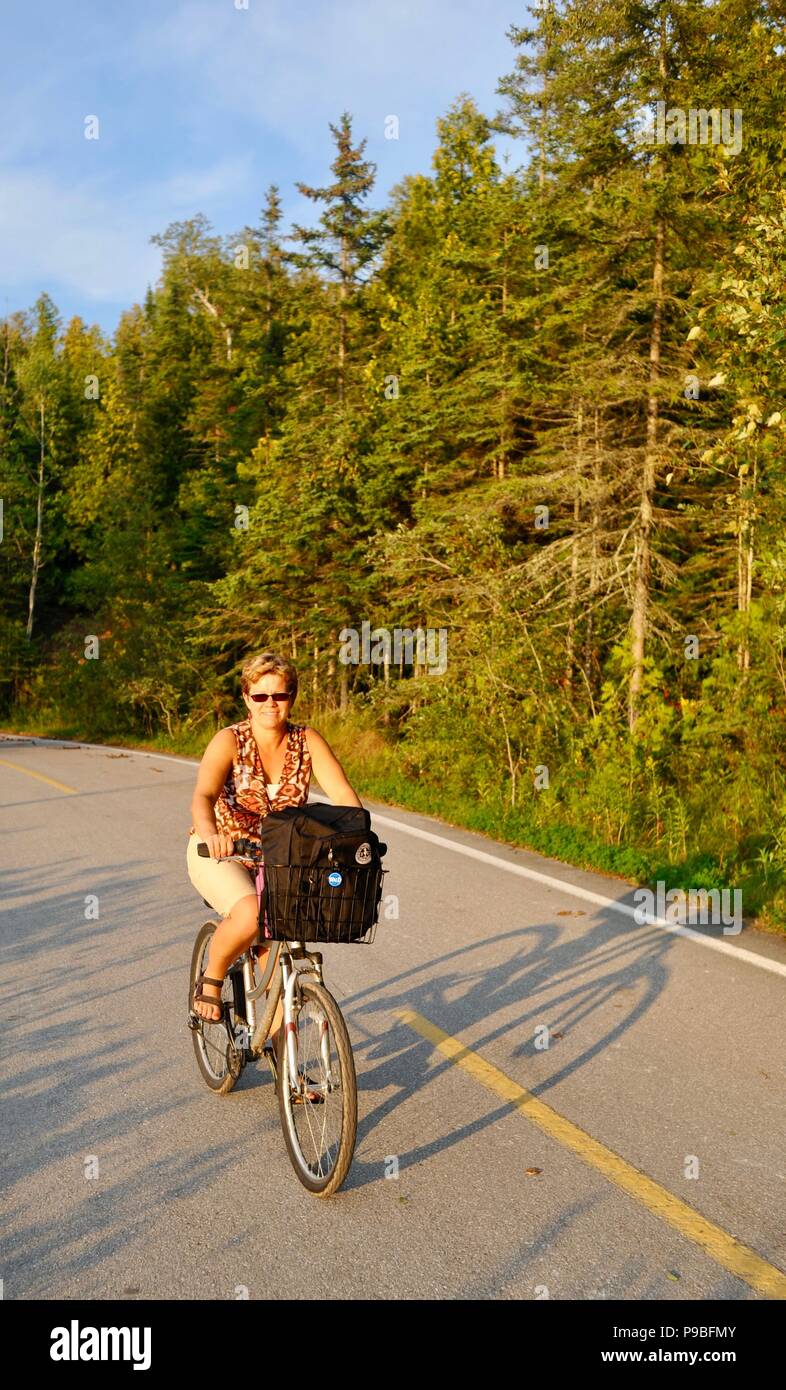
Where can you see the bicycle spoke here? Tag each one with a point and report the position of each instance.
(309, 1107)
(317, 1124)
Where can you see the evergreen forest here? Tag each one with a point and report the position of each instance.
(533, 408)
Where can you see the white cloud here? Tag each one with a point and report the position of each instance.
(202, 106)
(94, 240)
(293, 68)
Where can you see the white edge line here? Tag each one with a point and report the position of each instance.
(102, 747)
(751, 957)
(725, 947)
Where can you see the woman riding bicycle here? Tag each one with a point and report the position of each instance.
(261, 764)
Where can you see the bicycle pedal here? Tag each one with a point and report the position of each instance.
(310, 1095)
(316, 1099)
(235, 1061)
(194, 1022)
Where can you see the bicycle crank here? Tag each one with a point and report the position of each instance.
(235, 1060)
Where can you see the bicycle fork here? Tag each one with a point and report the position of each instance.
(290, 1027)
(290, 975)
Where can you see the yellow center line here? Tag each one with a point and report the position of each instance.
(737, 1258)
(39, 776)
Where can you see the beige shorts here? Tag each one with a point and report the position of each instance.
(221, 882)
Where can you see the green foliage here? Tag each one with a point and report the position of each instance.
(364, 421)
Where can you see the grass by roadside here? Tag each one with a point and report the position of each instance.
(373, 765)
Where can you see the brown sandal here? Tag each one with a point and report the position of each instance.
(202, 998)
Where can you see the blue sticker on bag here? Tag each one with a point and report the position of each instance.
(334, 879)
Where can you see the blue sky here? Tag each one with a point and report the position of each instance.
(201, 106)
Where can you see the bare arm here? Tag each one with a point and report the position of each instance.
(329, 772)
(212, 774)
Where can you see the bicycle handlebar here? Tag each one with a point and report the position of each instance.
(244, 849)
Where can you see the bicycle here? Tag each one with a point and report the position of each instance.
(314, 1069)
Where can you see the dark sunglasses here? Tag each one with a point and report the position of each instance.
(263, 698)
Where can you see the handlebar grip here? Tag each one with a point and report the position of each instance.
(242, 847)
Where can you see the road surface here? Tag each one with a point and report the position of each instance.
(640, 1155)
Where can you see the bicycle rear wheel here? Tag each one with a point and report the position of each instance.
(217, 1059)
(318, 1107)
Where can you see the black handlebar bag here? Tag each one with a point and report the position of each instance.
(323, 873)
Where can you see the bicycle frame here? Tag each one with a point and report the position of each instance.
(288, 953)
(320, 1145)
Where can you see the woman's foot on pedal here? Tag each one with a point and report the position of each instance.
(208, 1006)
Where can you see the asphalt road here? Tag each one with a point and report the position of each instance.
(640, 1155)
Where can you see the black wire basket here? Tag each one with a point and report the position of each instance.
(326, 902)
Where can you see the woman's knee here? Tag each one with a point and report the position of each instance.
(245, 917)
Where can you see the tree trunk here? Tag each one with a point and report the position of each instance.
(39, 526)
(216, 314)
(6, 358)
(745, 566)
(594, 575)
(342, 318)
(424, 483)
(643, 553)
(642, 563)
(574, 550)
(386, 675)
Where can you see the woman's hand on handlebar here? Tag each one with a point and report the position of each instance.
(220, 845)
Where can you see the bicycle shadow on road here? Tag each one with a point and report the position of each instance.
(537, 978)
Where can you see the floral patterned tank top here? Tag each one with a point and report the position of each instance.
(244, 798)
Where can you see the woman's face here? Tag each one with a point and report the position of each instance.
(268, 714)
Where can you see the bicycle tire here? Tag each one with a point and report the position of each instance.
(321, 1184)
(208, 1047)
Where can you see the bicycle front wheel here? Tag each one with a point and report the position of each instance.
(318, 1106)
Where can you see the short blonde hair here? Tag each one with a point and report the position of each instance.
(269, 664)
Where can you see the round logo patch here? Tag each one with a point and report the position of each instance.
(363, 853)
(335, 878)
